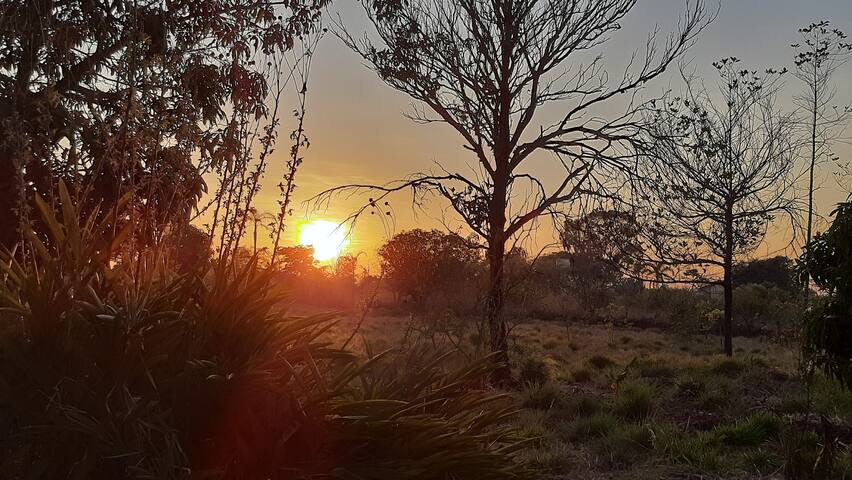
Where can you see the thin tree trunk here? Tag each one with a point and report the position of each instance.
(811, 193)
(727, 282)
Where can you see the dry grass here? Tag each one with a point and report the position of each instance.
(618, 403)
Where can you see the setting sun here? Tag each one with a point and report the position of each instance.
(328, 238)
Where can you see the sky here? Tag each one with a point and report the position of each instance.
(359, 134)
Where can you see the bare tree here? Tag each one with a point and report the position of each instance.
(823, 50)
(720, 172)
(486, 69)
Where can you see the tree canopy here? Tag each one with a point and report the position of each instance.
(143, 96)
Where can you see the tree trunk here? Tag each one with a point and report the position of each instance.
(811, 194)
(494, 310)
(727, 282)
(496, 280)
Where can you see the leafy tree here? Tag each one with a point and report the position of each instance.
(827, 332)
(296, 261)
(488, 69)
(139, 96)
(417, 263)
(720, 173)
(600, 246)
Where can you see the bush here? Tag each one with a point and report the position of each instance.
(762, 309)
(827, 331)
(121, 369)
(635, 402)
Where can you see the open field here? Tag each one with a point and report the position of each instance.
(604, 402)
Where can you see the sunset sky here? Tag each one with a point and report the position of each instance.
(358, 132)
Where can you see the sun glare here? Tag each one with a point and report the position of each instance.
(328, 238)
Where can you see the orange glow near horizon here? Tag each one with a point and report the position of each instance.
(329, 239)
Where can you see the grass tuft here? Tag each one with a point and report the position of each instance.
(595, 426)
(635, 402)
(749, 432)
(600, 361)
(533, 370)
(541, 396)
(728, 367)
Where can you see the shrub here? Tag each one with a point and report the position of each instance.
(123, 369)
(749, 432)
(827, 330)
(635, 402)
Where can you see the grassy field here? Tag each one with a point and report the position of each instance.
(601, 402)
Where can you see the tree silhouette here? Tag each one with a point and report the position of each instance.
(719, 173)
(417, 263)
(600, 246)
(140, 96)
(487, 69)
(822, 51)
(827, 332)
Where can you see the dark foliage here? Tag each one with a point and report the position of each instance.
(827, 331)
(118, 96)
(777, 271)
(418, 263)
(125, 370)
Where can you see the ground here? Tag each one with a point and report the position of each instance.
(601, 402)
